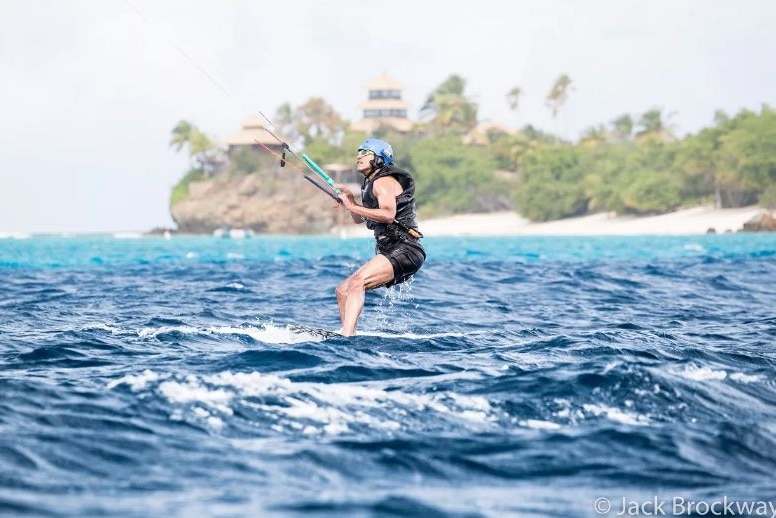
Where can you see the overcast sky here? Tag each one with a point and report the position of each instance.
(90, 89)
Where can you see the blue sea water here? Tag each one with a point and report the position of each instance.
(511, 377)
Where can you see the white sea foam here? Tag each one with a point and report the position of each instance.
(103, 327)
(306, 407)
(136, 382)
(615, 414)
(694, 247)
(695, 373)
(573, 414)
(539, 424)
(745, 378)
(152, 332)
(267, 333)
(192, 391)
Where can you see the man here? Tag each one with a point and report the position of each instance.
(388, 197)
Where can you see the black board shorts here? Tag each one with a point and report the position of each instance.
(405, 254)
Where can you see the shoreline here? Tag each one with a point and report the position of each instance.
(696, 220)
(692, 221)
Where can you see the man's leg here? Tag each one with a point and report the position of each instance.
(342, 296)
(351, 293)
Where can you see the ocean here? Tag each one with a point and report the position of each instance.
(521, 376)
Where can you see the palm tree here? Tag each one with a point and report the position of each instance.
(181, 134)
(203, 153)
(654, 125)
(558, 94)
(284, 119)
(594, 136)
(623, 127)
(513, 98)
(449, 109)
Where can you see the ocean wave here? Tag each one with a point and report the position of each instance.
(521, 377)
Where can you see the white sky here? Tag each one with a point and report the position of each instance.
(90, 89)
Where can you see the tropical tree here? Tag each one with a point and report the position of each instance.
(524, 140)
(181, 134)
(455, 179)
(558, 94)
(551, 184)
(449, 109)
(622, 128)
(655, 125)
(316, 118)
(204, 154)
(286, 122)
(513, 98)
(748, 157)
(594, 136)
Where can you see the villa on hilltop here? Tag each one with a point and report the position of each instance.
(384, 107)
(253, 135)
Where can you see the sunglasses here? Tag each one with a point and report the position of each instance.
(365, 152)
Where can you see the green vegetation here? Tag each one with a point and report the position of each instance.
(631, 165)
(181, 189)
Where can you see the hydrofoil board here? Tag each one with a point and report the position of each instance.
(300, 329)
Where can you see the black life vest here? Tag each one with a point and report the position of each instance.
(405, 202)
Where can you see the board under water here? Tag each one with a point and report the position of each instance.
(316, 332)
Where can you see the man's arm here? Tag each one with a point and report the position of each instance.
(386, 190)
(348, 200)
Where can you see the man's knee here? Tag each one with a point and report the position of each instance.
(342, 289)
(357, 281)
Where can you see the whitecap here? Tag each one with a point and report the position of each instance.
(270, 334)
(136, 382)
(694, 247)
(103, 327)
(615, 414)
(312, 408)
(538, 424)
(745, 378)
(695, 373)
(192, 392)
(153, 332)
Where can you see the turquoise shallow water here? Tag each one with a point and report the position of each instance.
(511, 377)
(106, 250)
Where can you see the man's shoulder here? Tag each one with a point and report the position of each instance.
(393, 170)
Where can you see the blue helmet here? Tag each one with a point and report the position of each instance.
(380, 148)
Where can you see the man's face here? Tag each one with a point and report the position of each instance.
(363, 160)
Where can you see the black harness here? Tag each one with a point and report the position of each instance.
(404, 224)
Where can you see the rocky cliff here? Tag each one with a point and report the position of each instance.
(285, 204)
(763, 222)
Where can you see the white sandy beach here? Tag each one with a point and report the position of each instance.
(696, 220)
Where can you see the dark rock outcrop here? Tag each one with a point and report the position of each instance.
(763, 222)
(262, 203)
